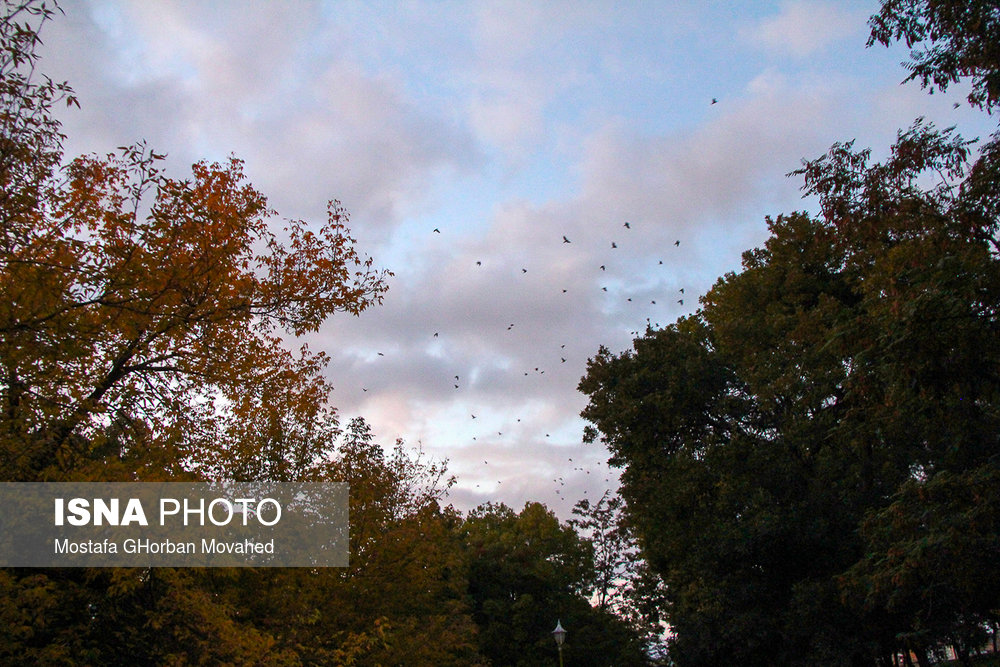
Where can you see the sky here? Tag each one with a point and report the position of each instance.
(490, 154)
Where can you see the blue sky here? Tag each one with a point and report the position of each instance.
(506, 126)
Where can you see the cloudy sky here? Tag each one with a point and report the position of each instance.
(467, 139)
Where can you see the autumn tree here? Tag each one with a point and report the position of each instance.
(141, 311)
(146, 332)
(403, 597)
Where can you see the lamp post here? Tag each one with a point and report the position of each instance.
(559, 634)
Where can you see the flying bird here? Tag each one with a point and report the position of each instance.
(677, 242)
(479, 263)
(566, 240)
(602, 268)
(614, 245)
(437, 231)
(628, 226)
(714, 101)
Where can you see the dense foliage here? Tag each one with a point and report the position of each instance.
(811, 460)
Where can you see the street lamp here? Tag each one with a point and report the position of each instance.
(559, 634)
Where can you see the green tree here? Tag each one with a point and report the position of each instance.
(614, 550)
(958, 39)
(623, 583)
(526, 571)
(777, 444)
(932, 560)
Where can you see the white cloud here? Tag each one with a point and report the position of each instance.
(804, 27)
(205, 80)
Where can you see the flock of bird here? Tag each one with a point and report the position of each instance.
(560, 481)
(456, 381)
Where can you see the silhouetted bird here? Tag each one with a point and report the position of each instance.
(714, 101)
(479, 263)
(680, 301)
(614, 245)
(628, 226)
(677, 242)
(437, 231)
(566, 240)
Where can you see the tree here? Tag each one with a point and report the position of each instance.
(614, 549)
(526, 571)
(932, 560)
(145, 332)
(623, 583)
(140, 311)
(961, 42)
(402, 599)
(778, 445)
